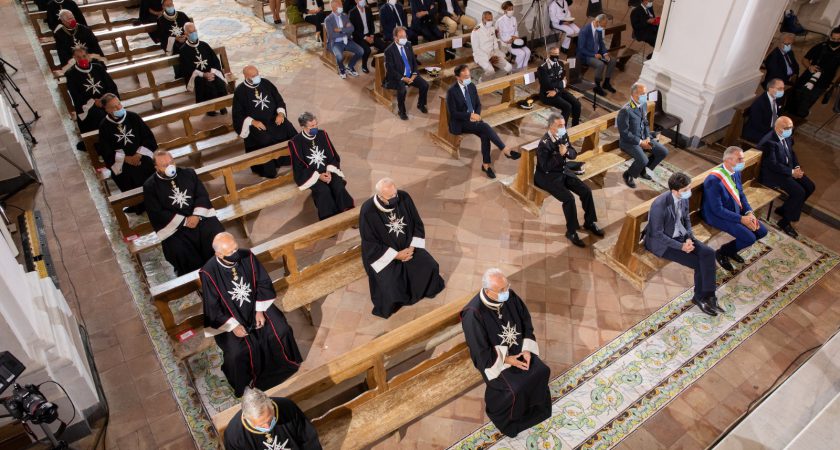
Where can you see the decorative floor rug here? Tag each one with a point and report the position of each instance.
(609, 394)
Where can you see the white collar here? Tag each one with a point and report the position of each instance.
(193, 45)
(379, 205)
(307, 135)
(84, 70)
(171, 18)
(163, 177)
(224, 264)
(488, 302)
(252, 85)
(111, 119)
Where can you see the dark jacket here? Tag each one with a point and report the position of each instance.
(388, 20)
(456, 106)
(423, 5)
(777, 160)
(661, 224)
(588, 46)
(444, 11)
(759, 118)
(549, 159)
(301, 4)
(359, 27)
(632, 124)
(776, 68)
(551, 78)
(394, 65)
(642, 30)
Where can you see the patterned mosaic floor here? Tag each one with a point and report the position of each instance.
(609, 394)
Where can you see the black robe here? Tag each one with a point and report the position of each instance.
(266, 356)
(170, 27)
(125, 137)
(293, 431)
(85, 86)
(385, 231)
(169, 201)
(67, 40)
(312, 156)
(146, 16)
(196, 59)
(516, 399)
(54, 6)
(262, 102)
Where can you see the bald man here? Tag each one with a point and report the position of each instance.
(257, 342)
(201, 69)
(259, 117)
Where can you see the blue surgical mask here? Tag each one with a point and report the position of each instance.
(779, 94)
(170, 10)
(313, 131)
(270, 427)
(560, 132)
(739, 167)
(467, 81)
(787, 133)
(193, 37)
(599, 29)
(786, 48)
(643, 99)
(120, 113)
(503, 296)
(256, 80)
(685, 195)
(339, 10)
(362, 3)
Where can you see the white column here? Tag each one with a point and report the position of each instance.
(819, 16)
(708, 56)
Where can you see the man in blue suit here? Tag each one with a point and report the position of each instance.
(668, 235)
(726, 208)
(392, 15)
(780, 168)
(781, 62)
(423, 19)
(593, 52)
(635, 137)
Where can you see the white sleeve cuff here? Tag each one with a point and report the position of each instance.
(530, 345)
(281, 111)
(384, 260)
(171, 227)
(146, 152)
(204, 212)
(227, 327)
(218, 73)
(263, 305)
(85, 109)
(417, 242)
(191, 83)
(119, 159)
(246, 127)
(496, 369)
(335, 170)
(310, 182)
(169, 44)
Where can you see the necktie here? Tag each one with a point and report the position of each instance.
(399, 20)
(407, 70)
(679, 228)
(469, 100)
(787, 64)
(774, 107)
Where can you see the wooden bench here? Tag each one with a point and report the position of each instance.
(387, 402)
(507, 113)
(31, 6)
(37, 19)
(299, 287)
(125, 51)
(627, 256)
(736, 126)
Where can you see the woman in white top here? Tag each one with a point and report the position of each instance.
(561, 18)
(508, 34)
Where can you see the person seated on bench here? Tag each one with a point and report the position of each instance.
(645, 23)
(258, 345)
(317, 167)
(170, 28)
(781, 62)
(180, 211)
(313, 12)
(201, 69)
(500, 335)
(593, 52)
(87, 81)
(391, 16)
(726, 208)
(486, 49)
(561, 19)
(668, 235)
(401, 72)
(763, 112)
(780, 169)
(423, 19)
(268, 423)
(553, 91)
(464, 108)
(452, 16)
(509, 39)
(127, 146)
(260, 117)
(635, 136)
(400, 270)
(364, 32)
(340, 40)
(54, 13)
(559, 178)
(71, 35)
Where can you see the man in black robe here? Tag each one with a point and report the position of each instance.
(268, 423)
(201, 69)
(127, 146)
(317, 167)
(170, 28)
(54, 9)
(500, 336)
(180, 211)
(259, 116)
(400, 270)
(71, 35)
(87, 81)
(258, 344)
(150, 11)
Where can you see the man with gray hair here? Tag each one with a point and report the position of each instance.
(70, 35)
(499, 333)
(266, 423)
(56, 14)
(400, 270)
(593, 52)
(781, 62)
(635, 136)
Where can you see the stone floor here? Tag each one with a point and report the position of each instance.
(577, 303)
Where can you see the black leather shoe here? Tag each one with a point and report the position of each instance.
(213, 114)
(489, 172)
(779, 211)
(575, 239)
(737, 258)
(598, 91)
(788, 229)
(608, 86)
(223, 111)
(645, 175)
(628, 180)
(80, 146)
(704, 307)
(422, 109)
(593, 227)
(513, 155)
(724, 262)
(403, 116)
(712, 301)
(365, 69)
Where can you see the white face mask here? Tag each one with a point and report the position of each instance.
(509, 13)
(170, 170)
(402, 41)
(392, 2)
(339, 10)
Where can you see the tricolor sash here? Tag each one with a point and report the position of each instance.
(729, 183)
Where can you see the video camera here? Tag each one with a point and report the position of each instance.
(26, 403)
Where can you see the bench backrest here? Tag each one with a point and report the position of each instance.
(37, 18)
(126, 49)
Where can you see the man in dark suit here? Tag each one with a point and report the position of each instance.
(645, 23)
(553, 87)
(668, 235)
(781, 62)
(762, 115)
(780, 169)
(593, 52)
(464, 108)
(401, 72)
(392, 15)
(635, 136)
(364, 31)
(555, 176)
(726, 208)
(313, 12)
(423, 19)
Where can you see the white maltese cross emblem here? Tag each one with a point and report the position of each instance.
(261, 101)
(125, 135)
(395, 224)
(92, 85)
(509, 335)
(241, 292)
(316, 157)
(200, 62)
(179, 197)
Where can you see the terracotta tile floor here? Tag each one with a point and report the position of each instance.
(471, 225)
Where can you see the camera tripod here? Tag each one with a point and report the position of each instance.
(7, 85)
(538, 36)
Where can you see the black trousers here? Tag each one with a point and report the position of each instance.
(566, 103)
(702, 260)
(402, 91)
(332, 198)
(487, 134)
(798, 190)
(428, 29)
(317, 20)
(377, 42)
(561, 187)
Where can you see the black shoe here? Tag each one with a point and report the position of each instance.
(645, 175)
(513, 155)
(608, 86)
(593, 227)
(788, 229)
(575, 239)
(712, 301)
(223, 111)
(628, 180)
(779, 211)
(724, 261)
(365, 69)
(737, 258)
(403, 116)
(81, 147)
(213, 114)
(422, 109)
(599, 91)
(704, 307)
(489, 172)
(278, 21)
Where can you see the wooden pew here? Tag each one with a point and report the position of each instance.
(627, 256)
(736, 126)
(507, 113)
(386, 404)
(89, 11)
(31, 6)
(299, 287)
(126, 50)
